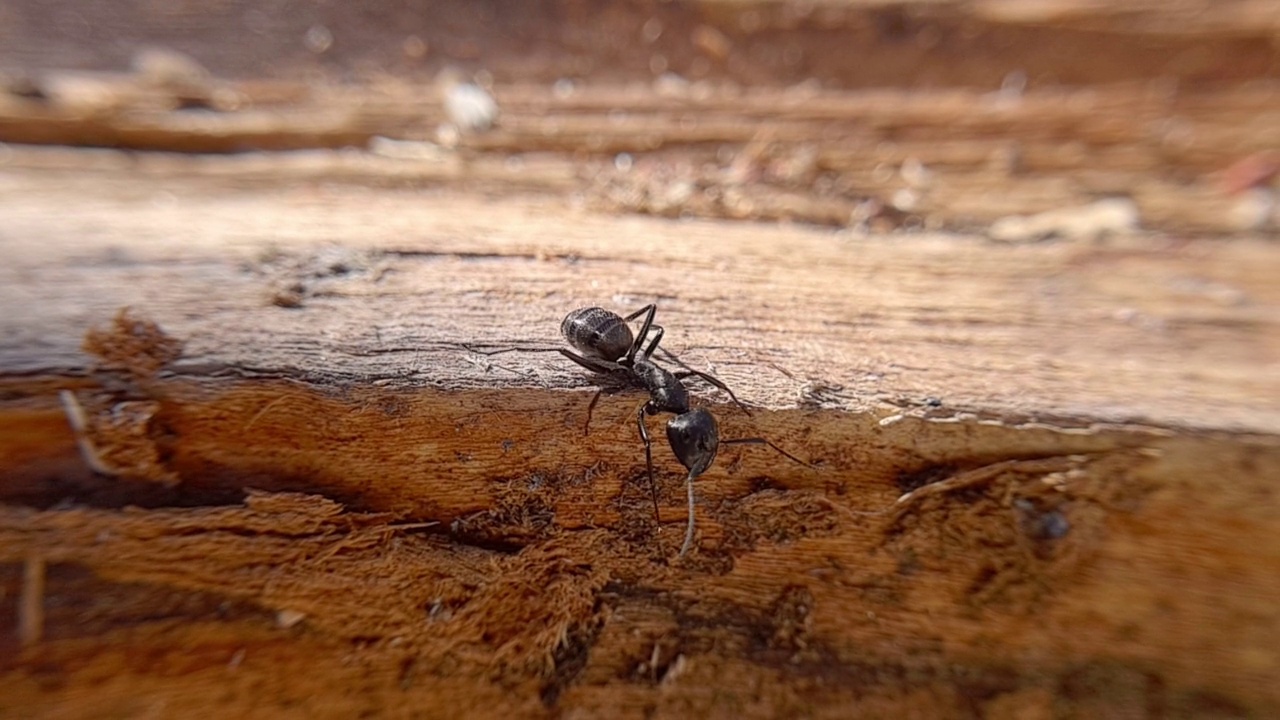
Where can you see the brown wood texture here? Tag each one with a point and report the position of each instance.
(392, 286)
(918, 114)
(254, 460)
(804, 153)
(1058, 401)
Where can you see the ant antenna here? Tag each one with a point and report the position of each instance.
(688, 533)
(762, 441)
(695, 439)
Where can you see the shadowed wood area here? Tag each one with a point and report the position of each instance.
(261, 455)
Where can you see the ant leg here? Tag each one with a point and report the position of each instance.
(490, 353)
(648, 460)
(688, 533)
(471, 348)
(714, 381)
(600, 367)
(648, 311)
(591, 407)
(762, 441)
(657, 338)
(651, 309)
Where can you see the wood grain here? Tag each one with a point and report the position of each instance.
(1092, 521)
(396, 285)
(256, 461)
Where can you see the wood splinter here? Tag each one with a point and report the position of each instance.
(31, 605)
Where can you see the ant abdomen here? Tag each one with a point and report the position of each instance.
(598, 333)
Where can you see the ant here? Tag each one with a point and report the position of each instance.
(609, 348)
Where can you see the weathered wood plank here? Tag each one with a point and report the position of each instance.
(395, 284)
(806, 154)
(1090, 529)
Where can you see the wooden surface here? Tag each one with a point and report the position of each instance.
(1058, 396)
(937, 115)
(397, 283)
(941, 158)
(252, 464)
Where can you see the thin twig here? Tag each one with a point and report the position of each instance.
(31, 608)
(80, 425)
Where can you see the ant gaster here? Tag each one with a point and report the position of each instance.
(609, 347)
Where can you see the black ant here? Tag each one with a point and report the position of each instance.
(608, 347)
(694, 434)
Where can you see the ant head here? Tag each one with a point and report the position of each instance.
(694, 438)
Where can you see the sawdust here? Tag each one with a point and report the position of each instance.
(132, 344)
(353, 575)
(118, 428)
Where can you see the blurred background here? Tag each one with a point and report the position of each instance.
(878, 116)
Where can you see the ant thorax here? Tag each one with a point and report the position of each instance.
(666, 393)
